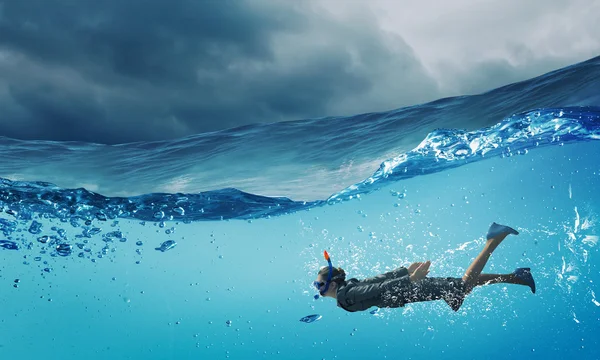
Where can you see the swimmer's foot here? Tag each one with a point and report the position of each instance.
(497, 231)
(524, 274)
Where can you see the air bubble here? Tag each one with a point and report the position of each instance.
(36, 227)
(167, 245)
(44, 239)
(9, 245)
(64, 249)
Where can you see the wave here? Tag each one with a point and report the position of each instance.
(439, 151)
(302, 160)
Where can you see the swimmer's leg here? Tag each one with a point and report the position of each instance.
(521, 276)
(525, 279)
(496, 234)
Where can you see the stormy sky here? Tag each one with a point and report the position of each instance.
(115, 71)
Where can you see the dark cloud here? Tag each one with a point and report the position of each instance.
(154, 41)
(116, 71)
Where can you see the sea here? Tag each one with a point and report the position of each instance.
(206, 247)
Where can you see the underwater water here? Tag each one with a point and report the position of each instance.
(206, 247)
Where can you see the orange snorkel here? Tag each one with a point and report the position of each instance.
(326, 255)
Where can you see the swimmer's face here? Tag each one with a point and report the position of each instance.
(322, 281)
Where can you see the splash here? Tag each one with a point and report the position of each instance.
(446, 149)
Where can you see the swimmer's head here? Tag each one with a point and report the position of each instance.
(338, 274)
(338, 277)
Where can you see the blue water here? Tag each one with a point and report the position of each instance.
(206, 247)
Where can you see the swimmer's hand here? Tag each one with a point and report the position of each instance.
(418, 270)
(412, 267)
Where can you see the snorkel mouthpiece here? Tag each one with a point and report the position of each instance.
(326, 256)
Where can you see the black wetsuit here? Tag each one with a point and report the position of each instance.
(394, 289)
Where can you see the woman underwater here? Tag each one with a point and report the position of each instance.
(407, 285)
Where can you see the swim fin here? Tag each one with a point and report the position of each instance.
(525, 275)
(497, 229)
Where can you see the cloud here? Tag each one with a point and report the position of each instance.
(458, 41)
(118, 71)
